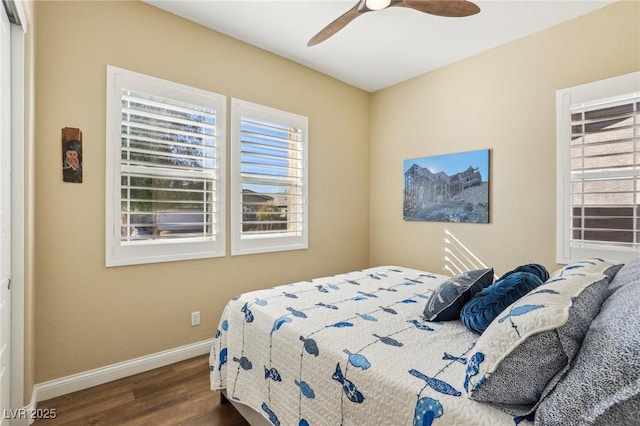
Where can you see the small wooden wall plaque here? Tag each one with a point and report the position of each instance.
(71, 155)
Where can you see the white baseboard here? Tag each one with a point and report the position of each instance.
(98, 376)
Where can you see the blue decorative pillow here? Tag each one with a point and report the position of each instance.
(527, 349)
(602, 387)
(534, 268)
(485, 306)
(446, 302)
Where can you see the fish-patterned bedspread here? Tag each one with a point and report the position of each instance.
(351, 349)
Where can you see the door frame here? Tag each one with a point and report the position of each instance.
(18, 199)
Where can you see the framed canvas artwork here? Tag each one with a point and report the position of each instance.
(447, 188)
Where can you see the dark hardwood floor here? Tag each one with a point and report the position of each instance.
(177, 394)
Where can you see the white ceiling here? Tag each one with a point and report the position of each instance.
(378, 49)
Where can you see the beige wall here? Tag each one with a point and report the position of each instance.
(503, 100)
(88, 316)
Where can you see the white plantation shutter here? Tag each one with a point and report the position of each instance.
(269, 179)
(166, 157)
(168, 168)
(605, 174)
(601, 146)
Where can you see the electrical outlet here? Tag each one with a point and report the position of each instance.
(195, 318)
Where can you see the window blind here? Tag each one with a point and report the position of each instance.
(271, 178)
(167, 169)
(605, 173)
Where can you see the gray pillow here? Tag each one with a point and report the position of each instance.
(447, 301)
(603, 385)
(531, 341)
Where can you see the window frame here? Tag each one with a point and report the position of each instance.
(589, 94)
(119, 253)
(271, 243)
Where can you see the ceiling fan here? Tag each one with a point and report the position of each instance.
(449, 8)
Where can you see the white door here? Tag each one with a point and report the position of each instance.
(5, 216)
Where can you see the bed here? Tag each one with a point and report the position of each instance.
(357, 348)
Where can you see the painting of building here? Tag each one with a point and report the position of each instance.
(447, 188)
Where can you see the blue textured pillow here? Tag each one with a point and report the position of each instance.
(447, 301)
(485, 306)
(534, 268)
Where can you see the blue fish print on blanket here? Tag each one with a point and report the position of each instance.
(333, 286)
(279, 323)
(272, 416)
(368, 294)
(353, 282)
(436, 384)
(367, 317)
(225, 325)
(473, 368)
(393, 290)
(321, 289)
(290, 295)
(357, 360)
(310, 346)
(420, 326)
(348, 387)
(223, 358)
(449, 357)
(427, 410)
(388, 340)
(261, 302)
(305, 389)
(408, 301)
(520, 310)
(244, 363)
(389, 310)
(296, 313)
(341, 324)
(248, 316)
(324, 305)
(272, 373)
(374, 276)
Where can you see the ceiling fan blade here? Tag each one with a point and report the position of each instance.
(450, 8)
(338, 24)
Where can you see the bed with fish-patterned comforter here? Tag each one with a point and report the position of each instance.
(351, 349)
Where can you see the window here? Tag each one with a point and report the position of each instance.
(165, 167)
(268, 179)
(599, 169)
